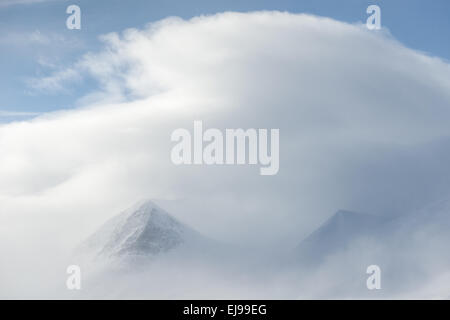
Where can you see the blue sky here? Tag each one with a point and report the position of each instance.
(34, 40)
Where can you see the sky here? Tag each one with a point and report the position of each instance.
(363, 117)
(34, 41)
(378, 128)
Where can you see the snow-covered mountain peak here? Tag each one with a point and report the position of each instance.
(337, 233)
(142, 230)
(148, 213)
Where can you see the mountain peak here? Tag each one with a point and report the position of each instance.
(142, 230)
(337, 233)
(146, 212)
(346, 213)
(344, 219)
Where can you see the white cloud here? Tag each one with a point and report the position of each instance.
(56, 82)
(358, 114)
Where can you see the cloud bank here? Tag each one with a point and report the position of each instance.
(363, 125)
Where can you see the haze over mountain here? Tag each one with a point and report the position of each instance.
(411, 249)
(348, 241)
